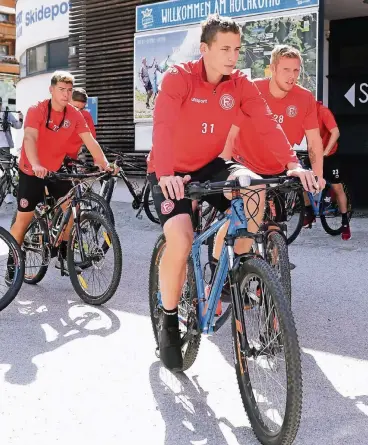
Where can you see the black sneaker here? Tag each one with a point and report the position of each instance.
(170, 349)
(66, 270)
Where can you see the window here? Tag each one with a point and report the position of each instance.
(23, 65)
(58, 54)
(4, 50)
(37, 59)
(4, 18)
(47, 57)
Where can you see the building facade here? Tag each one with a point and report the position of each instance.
(42, 29)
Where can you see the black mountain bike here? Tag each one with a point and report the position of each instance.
(9, 175)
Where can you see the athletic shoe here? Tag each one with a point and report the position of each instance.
(66, 271)
(346, 233)
(170, 349)
(309, 219)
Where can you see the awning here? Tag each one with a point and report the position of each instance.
(6, 10)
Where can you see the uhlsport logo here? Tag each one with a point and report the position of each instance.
(292, 111)
(147, 18)
(227, 101)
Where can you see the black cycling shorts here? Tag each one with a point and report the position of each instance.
(31, 190)
(216, 171)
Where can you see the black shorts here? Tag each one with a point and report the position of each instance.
(333, 170)
(148, 86)
(217, 170)
(31, 190)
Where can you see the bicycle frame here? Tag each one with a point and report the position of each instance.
(316, 201)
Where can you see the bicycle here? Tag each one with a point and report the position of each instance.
(11, 274)
(91, 239)
(324, 206)
(142, 197)
(254, 285)
(9, 175)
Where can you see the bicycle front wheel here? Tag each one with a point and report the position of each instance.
(330, 213)
(11, 274)
(269, 376)
(294, 210)
(149, 206)
(94, 270)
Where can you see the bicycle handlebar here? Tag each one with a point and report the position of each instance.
(69, 176)
(196, 190)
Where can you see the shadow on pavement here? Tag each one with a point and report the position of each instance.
(32, 327)
(188, 418)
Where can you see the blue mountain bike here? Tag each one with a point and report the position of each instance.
(265, 342)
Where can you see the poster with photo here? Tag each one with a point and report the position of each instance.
(156, 52)
(154, 55)
(260, 37)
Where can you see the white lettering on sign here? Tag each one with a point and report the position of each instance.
(364, 91)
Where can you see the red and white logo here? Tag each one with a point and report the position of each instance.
(227, 101)
(66, 124)
(292, 111)
(23, 203)
(167, 207)
(173, 70)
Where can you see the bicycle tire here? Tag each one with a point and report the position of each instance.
(324, 219)
(79, 283)
(192, 347)
(3, 188)
(146, 205)
(40, 275)
(278, 241)
(290, 426)
(17, 253)
(295, 204)
(110, 190)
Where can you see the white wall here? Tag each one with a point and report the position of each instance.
(326, 49)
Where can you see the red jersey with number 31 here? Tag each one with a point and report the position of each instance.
(52, 146)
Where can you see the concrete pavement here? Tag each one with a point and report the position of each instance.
(72, 374)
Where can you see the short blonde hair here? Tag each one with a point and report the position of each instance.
(285, 51)
(62, 76)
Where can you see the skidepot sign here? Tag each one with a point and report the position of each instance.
(351, 95)
(184, 12)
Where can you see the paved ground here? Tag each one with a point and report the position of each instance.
(72, 374)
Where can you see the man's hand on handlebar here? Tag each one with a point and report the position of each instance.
(39, 171)
(307, 178)
(173, 186)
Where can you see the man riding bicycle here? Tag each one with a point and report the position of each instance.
(197, 104)
(50, 127)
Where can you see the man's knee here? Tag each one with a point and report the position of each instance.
(179, 235)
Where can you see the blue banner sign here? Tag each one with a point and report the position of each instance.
(92, 107)
(185, 12)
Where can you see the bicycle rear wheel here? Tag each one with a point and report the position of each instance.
(149, 206)
(187, 306)
(95, 277)
(274, 413)
(330, 213)
(14, 273)
(295, 210)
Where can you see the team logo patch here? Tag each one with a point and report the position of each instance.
(167, 207)
(173, 70)
(23, 203)
(66, 124)
(291, 110)
(227, 101)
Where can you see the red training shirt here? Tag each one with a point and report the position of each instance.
(52, 146)
(296, 113)
(192, 118)
(76, 142)
(326, 123)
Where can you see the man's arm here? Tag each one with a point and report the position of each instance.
(315, 151)
(30, 147)
(94, 148)
(335, 134)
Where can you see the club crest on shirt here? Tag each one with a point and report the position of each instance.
(292, 111)
(167, 207)
(227, 101)
(173, 70)
(66, 124)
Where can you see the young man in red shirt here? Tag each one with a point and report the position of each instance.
(49, 127)
(79, 101)
(332, 169)
(195, 109)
